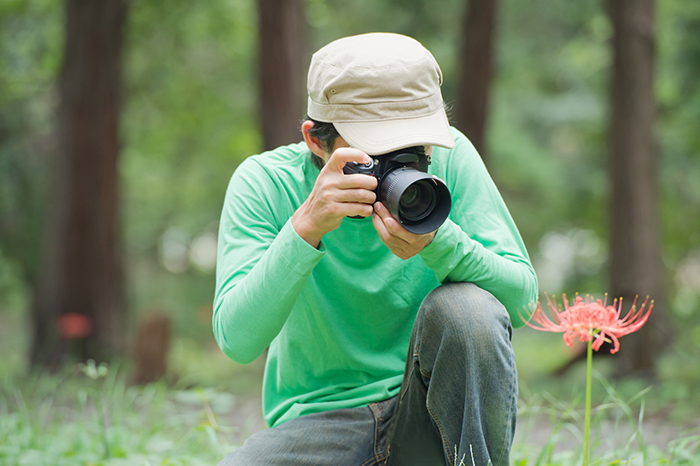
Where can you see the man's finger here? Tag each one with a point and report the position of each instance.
(381, 210)
(394, 243)
(364, 196)
(357, 180)
(343, 155)
(393, 226)
(380, 227)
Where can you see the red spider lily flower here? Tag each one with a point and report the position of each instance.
(588, 319)
(74, 325)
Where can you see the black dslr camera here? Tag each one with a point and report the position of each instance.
(420, 202)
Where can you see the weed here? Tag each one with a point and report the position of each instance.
(90, 416)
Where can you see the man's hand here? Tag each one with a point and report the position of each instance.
(400, 241)
(334, 196)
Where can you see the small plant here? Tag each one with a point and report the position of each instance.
(90, 416)
(471, 452)
(95, 372)
(594, 322)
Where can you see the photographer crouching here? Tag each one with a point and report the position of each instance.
(380, 265)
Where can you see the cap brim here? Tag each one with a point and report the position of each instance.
(380, 137)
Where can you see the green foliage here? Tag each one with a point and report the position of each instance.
(547, 135)
(675, 396)
(90, 416)
(72, 419)
(31, 35)
(678, 90)
(618, 434)
(190, 117)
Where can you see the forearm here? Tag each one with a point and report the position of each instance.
(251, 308)
(457, 258)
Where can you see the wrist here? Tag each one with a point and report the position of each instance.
(305, 229)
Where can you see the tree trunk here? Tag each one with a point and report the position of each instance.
(82, 272)
(282, 68)
(636, 266)
(476, 65)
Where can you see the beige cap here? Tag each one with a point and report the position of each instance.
(381, 91)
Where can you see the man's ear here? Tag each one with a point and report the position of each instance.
(313, 143)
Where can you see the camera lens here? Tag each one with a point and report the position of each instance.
(418, 201)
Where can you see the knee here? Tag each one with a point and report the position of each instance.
(465, 311)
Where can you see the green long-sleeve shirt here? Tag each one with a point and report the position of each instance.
(338, 319)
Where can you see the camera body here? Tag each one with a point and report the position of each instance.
(420, 202)
(381, 165)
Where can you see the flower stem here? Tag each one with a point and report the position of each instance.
(587, 424)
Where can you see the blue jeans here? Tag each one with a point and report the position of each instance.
(459, 393)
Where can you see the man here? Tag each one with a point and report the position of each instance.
(384, 345)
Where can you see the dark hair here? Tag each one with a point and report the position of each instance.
(325, 133)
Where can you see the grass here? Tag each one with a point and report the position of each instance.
(675, 395)
(88, 417)
(620, 433)
(92, 418)
(635, 422)
(73, 419)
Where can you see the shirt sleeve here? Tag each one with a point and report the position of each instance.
(479, 243)
(261, 267)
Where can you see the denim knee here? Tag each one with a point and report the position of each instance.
(464, 360)
(465, 315)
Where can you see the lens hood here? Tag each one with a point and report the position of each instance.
(419, 201)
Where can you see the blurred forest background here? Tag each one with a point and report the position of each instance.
(195, 86)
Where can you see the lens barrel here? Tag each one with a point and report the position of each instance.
(419, 201)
